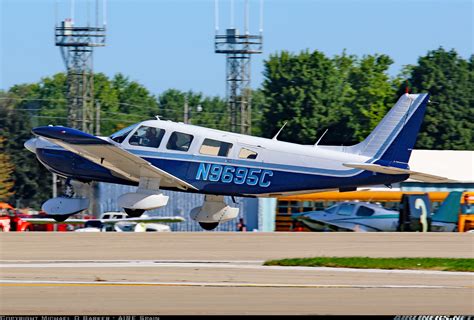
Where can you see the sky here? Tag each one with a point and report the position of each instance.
(170, 44)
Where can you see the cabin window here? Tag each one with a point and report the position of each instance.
(247, 154)
(179, 141)
(364, 211)
(147, 137)
(346, 209)
(215, 148)
(120, 135)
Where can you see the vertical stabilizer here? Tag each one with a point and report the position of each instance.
(448, 212)
(394, 137)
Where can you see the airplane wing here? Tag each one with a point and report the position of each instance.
(145, 220)
(106, 221)
(109, 155)
(51, 220)
(420, 176)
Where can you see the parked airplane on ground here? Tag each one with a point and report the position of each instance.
(365, 216)
(158, 154)
(123, 226)
(106, 219)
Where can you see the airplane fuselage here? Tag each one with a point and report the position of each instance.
(247, 166)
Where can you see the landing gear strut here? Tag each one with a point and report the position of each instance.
(68, 189)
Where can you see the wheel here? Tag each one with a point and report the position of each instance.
(134, 213)
(208, 226)
(59, 218)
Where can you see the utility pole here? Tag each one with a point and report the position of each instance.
(97, 118)
(186, 110)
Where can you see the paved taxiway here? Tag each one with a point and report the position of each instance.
(222, 273)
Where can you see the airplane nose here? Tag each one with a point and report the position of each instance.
(31, 144)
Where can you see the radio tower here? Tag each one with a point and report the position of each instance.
(77, 44)
(238, 49)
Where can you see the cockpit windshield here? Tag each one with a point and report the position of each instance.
(120, 135)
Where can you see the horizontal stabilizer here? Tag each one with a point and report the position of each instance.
(425, 177)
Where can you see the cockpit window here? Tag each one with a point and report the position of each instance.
(120, 135)
(247, 154)
(215, 148)
(147, 137)
(179, 141)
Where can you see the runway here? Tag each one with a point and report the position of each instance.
(222, 273)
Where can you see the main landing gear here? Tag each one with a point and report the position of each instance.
(213, 211)
(147, 197)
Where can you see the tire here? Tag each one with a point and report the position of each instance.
(59, 218)
(134, 213)
(209, 226)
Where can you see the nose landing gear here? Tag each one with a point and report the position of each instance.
(60, 208)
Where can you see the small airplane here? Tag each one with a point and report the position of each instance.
(157, 154)
(366, 216)
(112, 221)
(123, 226)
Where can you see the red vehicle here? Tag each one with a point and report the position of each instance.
(11, 220)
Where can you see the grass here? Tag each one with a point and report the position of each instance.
(441, 264)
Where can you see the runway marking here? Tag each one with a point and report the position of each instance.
(39, 283)
(228, 264)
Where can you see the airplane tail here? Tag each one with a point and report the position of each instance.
(394, 137)
(449, 210)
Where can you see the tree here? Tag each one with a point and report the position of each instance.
(346, 95)
(449, 119)
(374, 93)
(6, 170)
(305, 91)
(29, 176)
(210, 112)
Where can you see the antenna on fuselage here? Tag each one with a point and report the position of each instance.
(275, 136)
(157, 117)
(317, 142)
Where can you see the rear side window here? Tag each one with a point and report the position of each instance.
(179, 141)
(247, 154)
(215, 148)
(364, 211)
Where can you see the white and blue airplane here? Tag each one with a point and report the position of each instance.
(157, 154)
